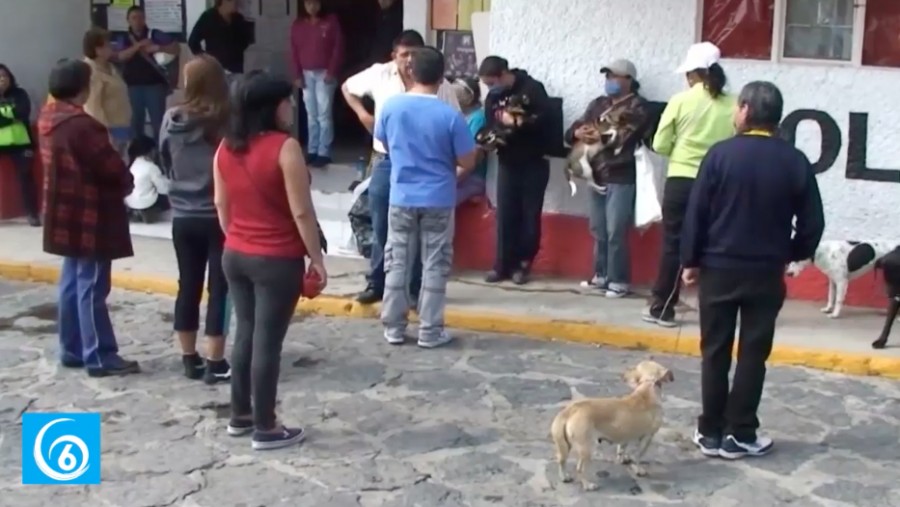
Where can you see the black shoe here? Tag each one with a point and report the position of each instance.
(239, 427)
(311, 159)
(654, 315)
(520, 277)
(708, 445)
(120, 369)
(369, 296)
(71, 362)
(495, 277)
(194, 366)
(34, 221)
(266, 441)
(217, 371)
(320, 162)
(733, 449)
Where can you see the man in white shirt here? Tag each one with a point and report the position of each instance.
(380, 82)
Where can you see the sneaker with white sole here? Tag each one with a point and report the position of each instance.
(443, 339)
(239, 427)
(662, 319)
(394, 337)
(708, 445)
(286, 437)
(597, 282)
(733, 449)
(615, 291)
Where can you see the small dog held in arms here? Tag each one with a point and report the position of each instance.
(890, 267)
(842, 261)
(517, 106)
(578, 163)
(632, 419)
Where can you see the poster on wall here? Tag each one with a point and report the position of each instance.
(458, 47)
(165, 15)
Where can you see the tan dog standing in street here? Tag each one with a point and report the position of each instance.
(632, 419)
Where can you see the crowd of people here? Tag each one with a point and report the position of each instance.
(738, 205)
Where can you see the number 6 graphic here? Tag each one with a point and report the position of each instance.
(67, 461)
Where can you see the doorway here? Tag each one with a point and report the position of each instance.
(359, 20)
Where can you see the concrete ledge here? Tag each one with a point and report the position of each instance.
(534, 327)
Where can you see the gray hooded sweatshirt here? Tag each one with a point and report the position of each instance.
(187, 157)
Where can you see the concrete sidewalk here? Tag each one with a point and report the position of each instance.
(545, 309)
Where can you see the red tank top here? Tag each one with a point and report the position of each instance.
(260, 218)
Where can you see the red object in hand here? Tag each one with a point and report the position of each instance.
(312, 285)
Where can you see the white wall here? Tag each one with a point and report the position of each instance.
(34, 34)
(566, 47)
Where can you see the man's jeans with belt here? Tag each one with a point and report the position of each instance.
(379, 204)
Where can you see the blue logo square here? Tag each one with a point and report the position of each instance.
(60, 448)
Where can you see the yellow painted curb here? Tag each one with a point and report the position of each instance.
(533, 327)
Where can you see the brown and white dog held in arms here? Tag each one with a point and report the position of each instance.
(890, 267)
(633, 419)
(578, 163)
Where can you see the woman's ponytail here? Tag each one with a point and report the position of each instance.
(714, 80)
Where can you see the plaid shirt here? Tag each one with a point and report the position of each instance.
(85, 185)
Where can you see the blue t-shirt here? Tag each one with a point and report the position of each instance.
(424, 137)
(476, 121)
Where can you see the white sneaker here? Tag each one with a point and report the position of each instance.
(394, 338)
(443, 339)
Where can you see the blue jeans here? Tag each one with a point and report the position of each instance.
(379, 205)
(85, 329)
(318, 97)
(147, 101)
(611, 218)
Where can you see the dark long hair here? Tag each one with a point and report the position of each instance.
(714, 80)
(13, 84)
(140, 146)
(255, 108)
(324, 10)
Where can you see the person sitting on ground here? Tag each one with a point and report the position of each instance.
(16, 141)
(468, 93)
(190, 133)
(149, 198)
(108, 102)
(85, 220)
(430, 148)
(612, 208)
(264, 203)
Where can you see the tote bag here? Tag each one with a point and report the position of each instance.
(650, 178)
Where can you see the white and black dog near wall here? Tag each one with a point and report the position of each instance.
(842, 261)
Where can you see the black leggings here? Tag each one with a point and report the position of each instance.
(199, 243)
(265, 291)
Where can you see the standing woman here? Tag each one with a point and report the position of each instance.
(692, 122)
(317, 54)
(108, 102)
(15, 139)
(188, 140)
(265, 206)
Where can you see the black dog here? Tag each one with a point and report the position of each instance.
(517, 106)
(890, 267)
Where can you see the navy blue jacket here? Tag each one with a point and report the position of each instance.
(748, 193)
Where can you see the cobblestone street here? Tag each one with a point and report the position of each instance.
(398, 426)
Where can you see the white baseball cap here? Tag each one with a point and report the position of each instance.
(699, 56)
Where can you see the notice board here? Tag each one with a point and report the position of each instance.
(167, 19)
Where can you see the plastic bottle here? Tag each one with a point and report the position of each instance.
(361, 168)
